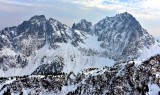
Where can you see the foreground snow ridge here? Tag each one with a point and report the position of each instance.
(120, 79)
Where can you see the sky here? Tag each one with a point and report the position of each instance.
(147, 12)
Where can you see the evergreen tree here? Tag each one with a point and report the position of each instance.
(21, 93)
(74, 26)
(7, 92)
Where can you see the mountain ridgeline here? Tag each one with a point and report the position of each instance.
(42, 42)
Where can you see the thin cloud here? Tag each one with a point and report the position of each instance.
(148, 9)
(11, 2)
(27, 3)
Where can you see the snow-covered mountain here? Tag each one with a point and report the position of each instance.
(30, 46)
(114, 56)
(123, 36)
(41, 45)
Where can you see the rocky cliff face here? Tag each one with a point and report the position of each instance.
(122, 35)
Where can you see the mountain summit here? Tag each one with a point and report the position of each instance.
(83, 25)
(122, 35)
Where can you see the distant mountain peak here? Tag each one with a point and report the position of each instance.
(84, 21)
(83, 25)
(38, 17)
(126, 14)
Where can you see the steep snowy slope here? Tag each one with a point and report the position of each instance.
(68, 57)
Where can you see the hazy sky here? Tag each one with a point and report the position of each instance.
(147, 12)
